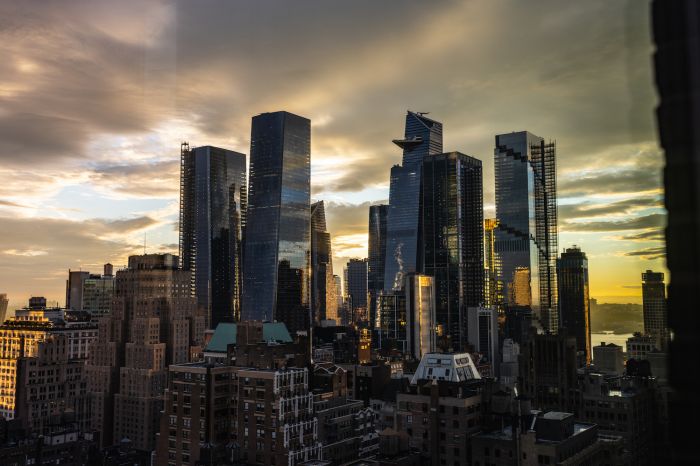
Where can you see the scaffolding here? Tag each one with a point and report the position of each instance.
(188, 244)
(544, 167)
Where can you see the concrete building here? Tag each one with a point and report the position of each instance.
(97, 294)
(623, 407)
(638, 346)
(154, 323)
(509, 363)
(42, 359)
(544, 438)
(346, 428)
(654, 308)
(195, 427)
(548, 370)
(608, 358)
(482, 323)
(90, 292)
(440, 417)
(3, 307)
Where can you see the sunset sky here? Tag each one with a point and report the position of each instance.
(95, 98)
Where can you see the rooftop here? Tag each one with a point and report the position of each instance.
(453, 367)
(225, 334)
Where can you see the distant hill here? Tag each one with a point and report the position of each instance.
(620, 318)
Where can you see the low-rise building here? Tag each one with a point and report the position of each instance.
(608, 358)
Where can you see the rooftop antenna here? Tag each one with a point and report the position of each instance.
(144, 243)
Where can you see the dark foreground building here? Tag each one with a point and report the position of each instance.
(574, 307)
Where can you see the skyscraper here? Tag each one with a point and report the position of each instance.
(376, 254)
(356, 288)
(212, 219)
(3, 307)
(154, 323)
(278, 237)
(74, 289)
(654, 307)
(526, 209)
(574, 307)
(420, 315)
(423, 136)
(323, 301)
(452, 239)
(493, 290)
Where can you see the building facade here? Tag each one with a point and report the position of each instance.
(654, 308)
(452, 250)
(212, 221)
(493, 287)
(356, 289)
(422, 137)
(376, 254)
(3, 307)
(574, 306)
(324, 304)
(278, 236)
(421, 335)
(154, 323)
(527, 234)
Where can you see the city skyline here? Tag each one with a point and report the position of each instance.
(94, 179)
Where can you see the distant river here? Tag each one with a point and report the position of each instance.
(618, 339)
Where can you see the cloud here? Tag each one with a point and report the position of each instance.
(648, 253)
(35, 253)
(159, 179)
(126, 225)
(636, 223)
(11, 204)
(591, 209)
(646, 235)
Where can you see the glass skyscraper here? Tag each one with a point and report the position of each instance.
(654, 308)
(356, 289)
(278, 236)
(527, 235)
(212, 220)
(423, 136)
(574, 305)
(453, 240)
(323, 301)
(376, 253)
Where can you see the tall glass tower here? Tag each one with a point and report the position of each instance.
(574, 305)
(278, 237)
(452, 235)
(527, 234)
(423, 136)
(654, 308)
(212, 220)
(323, 301)
(376, 253)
